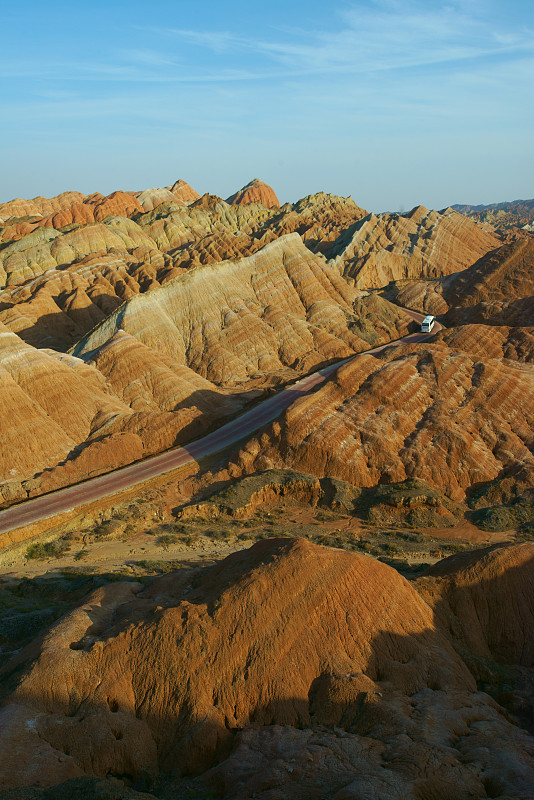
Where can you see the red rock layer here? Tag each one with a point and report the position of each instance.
(498, 288)
(255, 192)
(426, 411)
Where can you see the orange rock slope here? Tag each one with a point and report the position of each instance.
(429, 411)
(388, 247)
(497, 289)
(316, 671)
(255, 192)
(64, 420)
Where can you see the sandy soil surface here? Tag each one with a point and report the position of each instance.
(143, 551)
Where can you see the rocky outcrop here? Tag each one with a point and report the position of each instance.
(315, 671)
(388, 247)
(255, 192)
(280, 309)
(501, 215)
(410, 503)
(183, 192)
(64, 420)
(425, 411)
(498, 289)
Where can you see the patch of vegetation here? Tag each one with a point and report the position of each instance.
(411, 503)
(167, 540)
(41, 551)
(155, 566)
(219, 534)
(109, 529)
(518, 514)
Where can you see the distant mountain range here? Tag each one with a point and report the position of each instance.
(516, 212)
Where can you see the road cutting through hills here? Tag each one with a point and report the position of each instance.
(111, 483)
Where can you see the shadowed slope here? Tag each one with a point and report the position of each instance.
(289, 646)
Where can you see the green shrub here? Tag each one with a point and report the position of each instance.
(42, 551)
(166, 540)
(156, 566)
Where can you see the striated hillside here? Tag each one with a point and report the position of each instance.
(451, 418)
(502, 215)
(288, 667)
(158, 358)
(280, 308)
(86, 271)
(21, 217)
(174, 301)
(64, 420)
(421, 244)
(255, 192)
(498, 289)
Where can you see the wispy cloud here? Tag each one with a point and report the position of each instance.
(381, 35)
(365, 38)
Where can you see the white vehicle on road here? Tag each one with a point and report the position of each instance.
(428, 323)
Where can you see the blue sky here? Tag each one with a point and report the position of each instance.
(393, 102)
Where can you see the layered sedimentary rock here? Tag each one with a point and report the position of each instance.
(501, 215)
(300, 669)
(64, 420)
(489, 594)
(387, 247)
(183, 192)
(158, 356)
(46, 248)
(40, 206)
(426, 411)
(280, 308)
(255, 192)
(94, 208)
(491, 341)
(497, 289)
(21, 217)
(168, 294)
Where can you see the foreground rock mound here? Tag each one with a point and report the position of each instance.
(286, 654)
(492, 624)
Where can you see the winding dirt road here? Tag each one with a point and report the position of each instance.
(39, 508)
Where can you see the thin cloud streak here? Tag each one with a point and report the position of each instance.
(381, 37)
